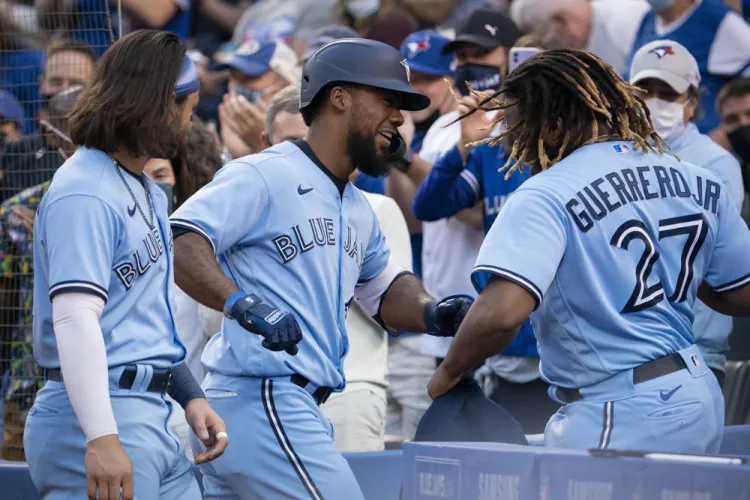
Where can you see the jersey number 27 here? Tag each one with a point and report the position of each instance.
(644, 296)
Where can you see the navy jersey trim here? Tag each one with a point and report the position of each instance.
(273, 419)
(519, 280)
(180, 226)
(305, 148)
(78, 286)
(733, 285)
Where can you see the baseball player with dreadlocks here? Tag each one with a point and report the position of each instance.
(613, 239)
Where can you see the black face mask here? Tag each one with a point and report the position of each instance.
(739, 138)
(481, 77)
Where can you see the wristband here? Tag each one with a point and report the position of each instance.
(231, 301)
(183, 387)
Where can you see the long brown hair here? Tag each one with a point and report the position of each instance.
(129, 105)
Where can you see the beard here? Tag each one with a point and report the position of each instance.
(365, 156)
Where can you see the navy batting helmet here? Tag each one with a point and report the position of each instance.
(361, 61)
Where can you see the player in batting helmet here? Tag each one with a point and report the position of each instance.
(360, 62)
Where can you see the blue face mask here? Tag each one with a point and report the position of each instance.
(481, 77)
(660, 5)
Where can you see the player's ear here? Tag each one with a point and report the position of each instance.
(341, 98)
(264, 142)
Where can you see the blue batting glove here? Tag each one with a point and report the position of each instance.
(444, 317)
(279, 329)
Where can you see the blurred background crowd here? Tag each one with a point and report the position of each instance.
(439, 202)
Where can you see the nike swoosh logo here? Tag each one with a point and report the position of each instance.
(131, 211)
(666, 395)
(301, 190)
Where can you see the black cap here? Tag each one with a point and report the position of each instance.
(487, 27)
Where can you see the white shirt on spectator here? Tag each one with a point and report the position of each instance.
(613, 28)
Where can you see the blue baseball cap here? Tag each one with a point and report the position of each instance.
(422, 50)
(10, 109)
(256, 58)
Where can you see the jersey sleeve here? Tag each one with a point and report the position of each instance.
(227, 209)
(524, 245)
(79, 235)
(377, 253)
(729, 267)
(448, 188)
(728, 170)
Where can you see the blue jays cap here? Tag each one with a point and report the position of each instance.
(668, 61)
(10, 109)
(255, 58)
(423, 53)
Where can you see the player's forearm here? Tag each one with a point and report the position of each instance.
(735, 303)
(83, 361)
(481, 335)
(198, 273)
(403, 305)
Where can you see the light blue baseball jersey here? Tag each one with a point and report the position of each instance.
(89, 237)
(711, 328)
(283, 227)
(613, 244)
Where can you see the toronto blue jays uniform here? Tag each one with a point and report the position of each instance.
(452, 186)
(89, 238)
(286, 229)
(613, 244)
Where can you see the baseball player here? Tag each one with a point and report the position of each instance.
(104, 328)
(613, 239)
(296, 243)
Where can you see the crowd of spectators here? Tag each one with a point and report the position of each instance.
(691, 58)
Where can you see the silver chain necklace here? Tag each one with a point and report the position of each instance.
(149, 223)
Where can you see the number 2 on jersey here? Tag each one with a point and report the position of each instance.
(644, 296)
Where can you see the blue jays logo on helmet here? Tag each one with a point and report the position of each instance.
(662, 50)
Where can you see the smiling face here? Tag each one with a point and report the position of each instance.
(374, 118)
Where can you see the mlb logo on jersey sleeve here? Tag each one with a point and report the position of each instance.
(621, 148)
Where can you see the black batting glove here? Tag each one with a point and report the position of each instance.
(444, 317)
(279, 329)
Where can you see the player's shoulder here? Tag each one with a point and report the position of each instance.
(269, 163)
(82, 174)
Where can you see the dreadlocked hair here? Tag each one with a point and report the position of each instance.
(565, 97)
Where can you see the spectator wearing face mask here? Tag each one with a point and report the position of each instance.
(606, 28)
(670, 76)
(733, 105)
(257, 71)
(386, 21)
(715, 34)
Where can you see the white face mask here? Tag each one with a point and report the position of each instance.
(360, 9)
(668, 117)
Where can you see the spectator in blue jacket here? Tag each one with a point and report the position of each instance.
(467, 174)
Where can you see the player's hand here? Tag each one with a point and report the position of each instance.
(279, 328)
(108, 470)
(443, 318)
(474, 127)
(209, 427)
(441, 382)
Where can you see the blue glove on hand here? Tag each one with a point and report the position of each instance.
(443, 318)
(279, 329)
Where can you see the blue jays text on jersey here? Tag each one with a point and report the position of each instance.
(613, 244)
(89, 238)
(285, 228)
